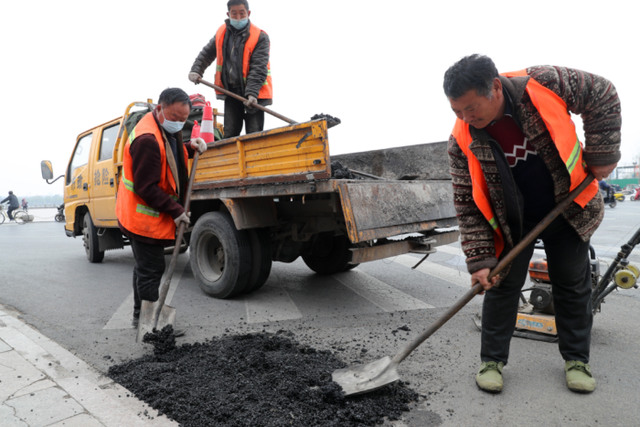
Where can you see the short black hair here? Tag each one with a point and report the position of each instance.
(471, 72)
(10, 192)
(237, 3)
(171, 95)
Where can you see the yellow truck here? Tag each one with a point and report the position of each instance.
(258, 198)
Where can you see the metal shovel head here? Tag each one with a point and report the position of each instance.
(152, 316)
(367, 377)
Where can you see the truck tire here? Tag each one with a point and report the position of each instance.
(328, 254)
(90, 240)
(220, 255)
(260, 258)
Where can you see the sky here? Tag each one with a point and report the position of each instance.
(69, 65)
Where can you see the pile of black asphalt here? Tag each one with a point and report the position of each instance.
(339, 171)
(258, 380)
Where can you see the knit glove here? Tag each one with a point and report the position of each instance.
(184, 217)
(194, 77)
(199, 144)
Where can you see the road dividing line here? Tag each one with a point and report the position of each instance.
(121, 319)
(379, 293)
(270, 304)
(448, 274)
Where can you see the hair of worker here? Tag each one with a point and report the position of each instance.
(172, 95)
(237, 3)
(471, 72)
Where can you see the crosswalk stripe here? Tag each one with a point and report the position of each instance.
(270, 304)
(448, 274)
(379, 293)
(121, 319)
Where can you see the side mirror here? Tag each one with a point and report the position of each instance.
(47, 169)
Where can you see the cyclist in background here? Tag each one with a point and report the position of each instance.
(13, 204)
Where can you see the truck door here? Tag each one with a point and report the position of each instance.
(76, 186)
(103, 188)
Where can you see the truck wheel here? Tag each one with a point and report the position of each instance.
(260, 258)
(220, 255)
(90, 240)
(328, 254)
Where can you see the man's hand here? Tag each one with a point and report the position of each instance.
(603, 171)
(183, 218)
(251, 101)
(194, 77)
(199, 144)
(481, 276)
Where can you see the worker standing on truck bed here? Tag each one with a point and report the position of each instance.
(513, 155)
(242, 67)
(152, 190)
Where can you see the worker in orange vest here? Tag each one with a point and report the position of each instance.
(514, 154)
(241, 51)
(151, 195)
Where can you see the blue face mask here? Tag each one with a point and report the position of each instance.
(171, 127)
(239, 24)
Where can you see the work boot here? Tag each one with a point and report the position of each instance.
(135, 322)
(489, 377)
(579, 378)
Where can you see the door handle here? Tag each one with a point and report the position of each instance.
(85, 186)
(111, 182)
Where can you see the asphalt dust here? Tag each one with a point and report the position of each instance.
(259, 380)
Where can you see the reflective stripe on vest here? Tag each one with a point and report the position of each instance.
(132, 211)
(554, 113)
(266, 91)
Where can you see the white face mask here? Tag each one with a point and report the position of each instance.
(239, 24)
(171, 127)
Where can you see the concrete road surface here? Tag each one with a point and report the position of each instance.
(361, 315)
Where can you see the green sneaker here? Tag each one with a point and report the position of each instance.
(579, 378)
(489, 376)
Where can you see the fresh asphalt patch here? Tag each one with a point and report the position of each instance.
(258, 380)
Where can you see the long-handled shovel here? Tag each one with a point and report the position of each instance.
(240, 98)
(370, 376)
(157, 315)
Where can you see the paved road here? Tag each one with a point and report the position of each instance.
(86, 308)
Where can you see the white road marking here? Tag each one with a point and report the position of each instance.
(448, 274)
(379, 293)
(270, 304)
(121, 319)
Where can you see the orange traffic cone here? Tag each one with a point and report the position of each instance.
(195, 131)
(206, 132)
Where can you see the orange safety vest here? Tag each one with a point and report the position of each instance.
(553, 111)
(132, 211)
(266, 91)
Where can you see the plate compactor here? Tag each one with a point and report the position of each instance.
(536, 316)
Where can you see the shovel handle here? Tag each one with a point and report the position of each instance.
(240, 98)
(506, 260)
(164, 290)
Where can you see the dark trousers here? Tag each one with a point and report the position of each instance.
(10, 213)
(235, 116)
(147, 273)
(570, 274)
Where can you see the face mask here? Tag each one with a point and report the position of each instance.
(171, 127)
(239, 24)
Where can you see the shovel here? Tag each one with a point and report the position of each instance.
(157, 315)
(240, 98)
(370, 376)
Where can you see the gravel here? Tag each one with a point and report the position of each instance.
(257, 380)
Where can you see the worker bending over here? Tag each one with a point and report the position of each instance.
(514, 154)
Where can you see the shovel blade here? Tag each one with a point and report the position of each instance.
(167, 317)
(366, 377)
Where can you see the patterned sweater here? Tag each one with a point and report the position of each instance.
(592, 97)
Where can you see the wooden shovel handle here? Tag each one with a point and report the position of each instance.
(510, 256)
(164, 290)
(240, 98)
